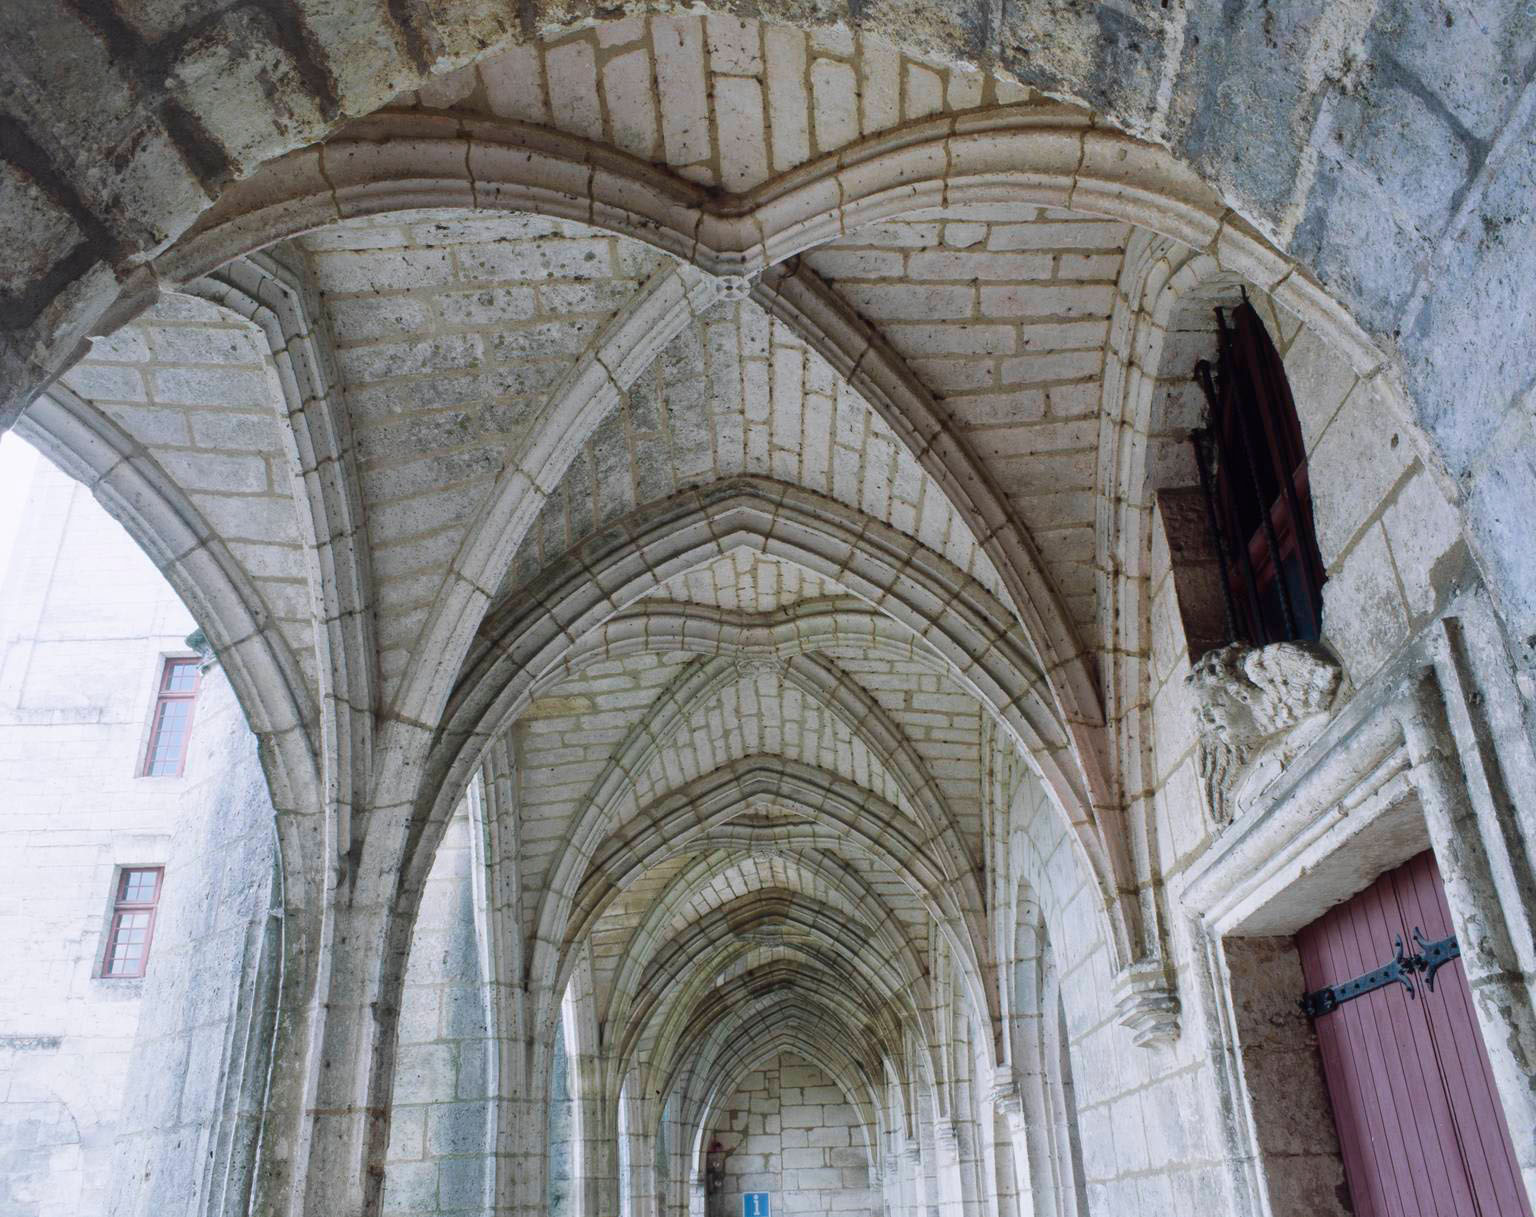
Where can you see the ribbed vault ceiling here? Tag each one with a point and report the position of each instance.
(735, 579)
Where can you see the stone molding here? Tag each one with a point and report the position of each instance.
(387, 160)
(703, 810)
(30, 1043)
(684, 975)
(1350, 775)
(197, 641)
(734, 287)
(800, 298)
(584, 397)
(1159, 275)
(392, 160)
(317, 434)
(804, 629)
(452, 159)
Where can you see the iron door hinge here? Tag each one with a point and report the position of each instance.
(1429, 959)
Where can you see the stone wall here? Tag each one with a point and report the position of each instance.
(1399, 566)
(160, 1078)
(197, 1078)
(1391, 544)
(86, 620)
(1146, 1143)
(1388, 189)
(789, 1130)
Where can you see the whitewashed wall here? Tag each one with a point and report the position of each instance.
(85, 620)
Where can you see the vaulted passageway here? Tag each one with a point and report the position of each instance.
(701, 515)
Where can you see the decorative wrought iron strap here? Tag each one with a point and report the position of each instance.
(1429, 959)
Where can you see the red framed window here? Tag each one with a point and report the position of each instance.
(133, 922)
(1254, 470)
(171, 726)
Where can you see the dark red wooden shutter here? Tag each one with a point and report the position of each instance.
(1419, 1120)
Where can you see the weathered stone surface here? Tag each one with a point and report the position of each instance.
(1258, 706)
(699, 513)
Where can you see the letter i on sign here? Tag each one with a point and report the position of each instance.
(754, 1204)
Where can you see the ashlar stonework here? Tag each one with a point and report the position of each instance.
(716, 677)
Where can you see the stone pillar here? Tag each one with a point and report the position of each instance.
(599, 1176)
(565, 1149)
(1002, 1170)
(439, 1130)
(343, 1171)
(641, 1184)
(949, 1168)
(1009, 1105)
(914, 1197)
(522, 1184)
(326, 1125)
(593, 1158)
(1501, 982)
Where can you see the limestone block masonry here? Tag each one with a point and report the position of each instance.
(718, 676)
(789, 1130)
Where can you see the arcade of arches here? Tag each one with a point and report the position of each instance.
(699, 510)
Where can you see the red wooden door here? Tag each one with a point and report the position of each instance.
(1419, 1120)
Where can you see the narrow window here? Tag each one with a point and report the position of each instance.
(171, 727)
(133, 922)
(1259, 498)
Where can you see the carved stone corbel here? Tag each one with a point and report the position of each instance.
(1147, 1004)
(198, 641)
(1006, 1099)
(1257, 708)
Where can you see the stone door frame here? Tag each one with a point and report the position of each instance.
(1431, 753)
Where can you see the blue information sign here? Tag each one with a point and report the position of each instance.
(754, 1204)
